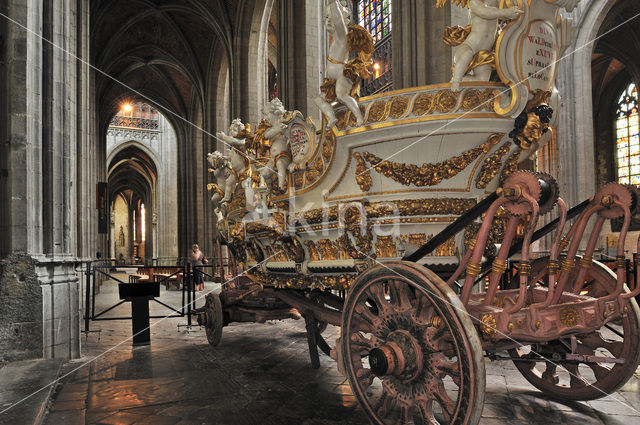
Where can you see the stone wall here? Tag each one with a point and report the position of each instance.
(43, 117)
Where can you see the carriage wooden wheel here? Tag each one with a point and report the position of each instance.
(573, 380)
(413, 356)
(214, 318)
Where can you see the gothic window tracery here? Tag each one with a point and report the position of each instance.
(375, 16)
(627, 137)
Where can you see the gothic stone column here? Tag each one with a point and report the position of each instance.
(419, 55)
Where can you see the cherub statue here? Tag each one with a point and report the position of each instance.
(238, 158)
(343, 77)
(272, 129)
(225, 181)
(475, 56)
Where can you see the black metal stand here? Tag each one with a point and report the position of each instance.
(140, 320)
(139, 294)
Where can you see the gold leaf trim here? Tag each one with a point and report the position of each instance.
(363, 174)
(491, 166)
(427, 174)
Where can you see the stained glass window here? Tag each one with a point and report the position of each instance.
(627, 139)
(375, 16)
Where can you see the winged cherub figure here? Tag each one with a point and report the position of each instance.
(237, 141)
(273, 129)
(475, 58)
(343, 76)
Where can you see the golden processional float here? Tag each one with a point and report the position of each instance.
(385, 221)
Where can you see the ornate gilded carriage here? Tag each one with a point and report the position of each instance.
(388, 229)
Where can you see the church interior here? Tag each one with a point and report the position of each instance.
(319, 212)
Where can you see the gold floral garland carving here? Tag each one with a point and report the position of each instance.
(491, 166)
(474, 100)
(423, 104)
(313, 251)
(378, 111)
(399, 106)
(406, 208)
(446, 101)
(363, 175)
(337, 282)
(510, 166)
(428, 174)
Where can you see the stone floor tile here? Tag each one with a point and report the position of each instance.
(69, 417)
(621, 420)
(120, 418)
(261, 374)
(60, 405)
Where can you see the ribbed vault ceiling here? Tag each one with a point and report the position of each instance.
(161, 49)
(616, 53)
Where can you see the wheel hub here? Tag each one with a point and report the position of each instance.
(400, 356)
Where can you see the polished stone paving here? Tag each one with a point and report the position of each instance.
(260, 374)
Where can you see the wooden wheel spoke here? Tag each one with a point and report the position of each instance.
(359, 340)
(599, 370)
(427, 345)
(595, 340)
(550, 374)
(383, 405)
(368, 316)
(423, 309)
(365, 377)
(446, 403)
(576, 380)
(424, 411)
(400, 295)
(405, 415)
(444, 367)
(377, 295)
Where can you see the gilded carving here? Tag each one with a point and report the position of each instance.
(423, 104)
(326, 282)
(343, 119)
(447, 249)
(399, 106)
(510, 166)
(326, 150)
(294, 249)
(256, 227)
(471, 100)
(238, 203)
(378, 111)
(414, 239)
(363, 175)
(353, 121)
(491, 165)
(405, 207)
(270, 253)
(313, 251)
(328, 249)
(298, 179)
(569, 316)
(488, 325)
(446, 101)
(386, 247)
(428, 174)
(540, 97)
(280, 254)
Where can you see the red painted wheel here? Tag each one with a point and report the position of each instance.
(412, 356)
(573, 380)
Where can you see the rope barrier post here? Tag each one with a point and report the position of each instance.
(189, 284)
(87, 300)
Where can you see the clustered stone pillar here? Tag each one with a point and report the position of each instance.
(49, 220)
(419, 55)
